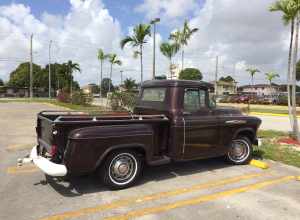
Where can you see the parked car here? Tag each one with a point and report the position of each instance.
(243, 99)
(173, 121)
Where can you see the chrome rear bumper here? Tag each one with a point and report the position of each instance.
(48, 167)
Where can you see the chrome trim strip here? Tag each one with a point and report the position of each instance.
(183, 147)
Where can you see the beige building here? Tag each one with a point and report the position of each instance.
(225, 88)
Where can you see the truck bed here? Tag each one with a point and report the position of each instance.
(63, 122)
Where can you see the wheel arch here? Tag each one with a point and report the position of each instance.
(141, 149)
(246, 132)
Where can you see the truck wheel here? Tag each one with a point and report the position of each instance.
(240, 151)
(121, 169)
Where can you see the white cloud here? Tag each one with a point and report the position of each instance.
(76, 36)
(242, 34)
(168, 10)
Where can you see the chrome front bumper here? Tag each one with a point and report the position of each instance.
(48, 167)
(258, 142)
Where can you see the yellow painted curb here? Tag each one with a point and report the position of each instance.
(259, 164)
(270, 114)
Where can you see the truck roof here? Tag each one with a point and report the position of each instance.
(176, 83)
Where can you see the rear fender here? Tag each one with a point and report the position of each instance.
(140, 148)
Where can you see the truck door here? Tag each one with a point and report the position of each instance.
(200, 125)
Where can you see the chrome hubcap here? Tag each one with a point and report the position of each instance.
(122, 168)
(239, 150)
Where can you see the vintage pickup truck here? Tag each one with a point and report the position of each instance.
(174, 120)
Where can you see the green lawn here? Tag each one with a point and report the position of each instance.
(270, 149)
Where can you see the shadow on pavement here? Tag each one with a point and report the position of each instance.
(77, 186)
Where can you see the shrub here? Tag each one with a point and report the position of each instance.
(122, 100)
(63, 96)
(80, 98)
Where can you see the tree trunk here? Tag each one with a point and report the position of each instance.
(141, 56)
(100, 83)
(110, 75)
(289, 73)
(182, 59)
(294, 110)
(171, 76)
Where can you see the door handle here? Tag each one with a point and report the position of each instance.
(187, 113)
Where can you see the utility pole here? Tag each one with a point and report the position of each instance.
(153, 22)
(121, 71)
(50, 69)
(216, 75)
(30, 69)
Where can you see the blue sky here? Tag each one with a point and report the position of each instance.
(123, 10)
(241, 34)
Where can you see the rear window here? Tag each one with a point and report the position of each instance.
(154, 94)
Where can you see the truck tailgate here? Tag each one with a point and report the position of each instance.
(44, 132)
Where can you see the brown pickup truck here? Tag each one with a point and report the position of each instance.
(173, 120)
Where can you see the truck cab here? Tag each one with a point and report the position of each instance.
(174, 120)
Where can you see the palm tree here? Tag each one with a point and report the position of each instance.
(129, 84)
(270, 76)
(138, 39)
(71, 67)
(252, 72)
(112, 58)
(182, 37)
(169, 50)
(290, 10)
(101, 56)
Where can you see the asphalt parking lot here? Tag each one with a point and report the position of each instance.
(207, 189)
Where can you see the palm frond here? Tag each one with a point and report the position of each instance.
(127, 40)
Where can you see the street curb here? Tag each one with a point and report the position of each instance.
(259, 164)
(270, 114)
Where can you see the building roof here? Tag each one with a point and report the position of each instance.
(258, 86)
(176, 83)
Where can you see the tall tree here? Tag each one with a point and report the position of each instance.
(169, 50)
(270, 76)
(252, 72)
(112, 58)
(138, 39)
(182, 37)
(290, 15)
(101, 57)
(1, 82)
(71, 67)
(190, 74)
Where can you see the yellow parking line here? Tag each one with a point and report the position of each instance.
(17, 147)
(156, 196)
(199, 200)
(30, 168)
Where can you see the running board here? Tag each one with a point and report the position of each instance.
(160, 161)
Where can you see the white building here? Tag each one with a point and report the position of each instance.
(260, 89)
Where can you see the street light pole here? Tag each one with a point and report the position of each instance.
(153, 22)
(216, 75)
(121, 71)
(50, 69)
(30, 69)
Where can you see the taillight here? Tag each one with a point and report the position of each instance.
(53, 150)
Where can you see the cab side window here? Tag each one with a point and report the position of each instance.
(194, 99)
